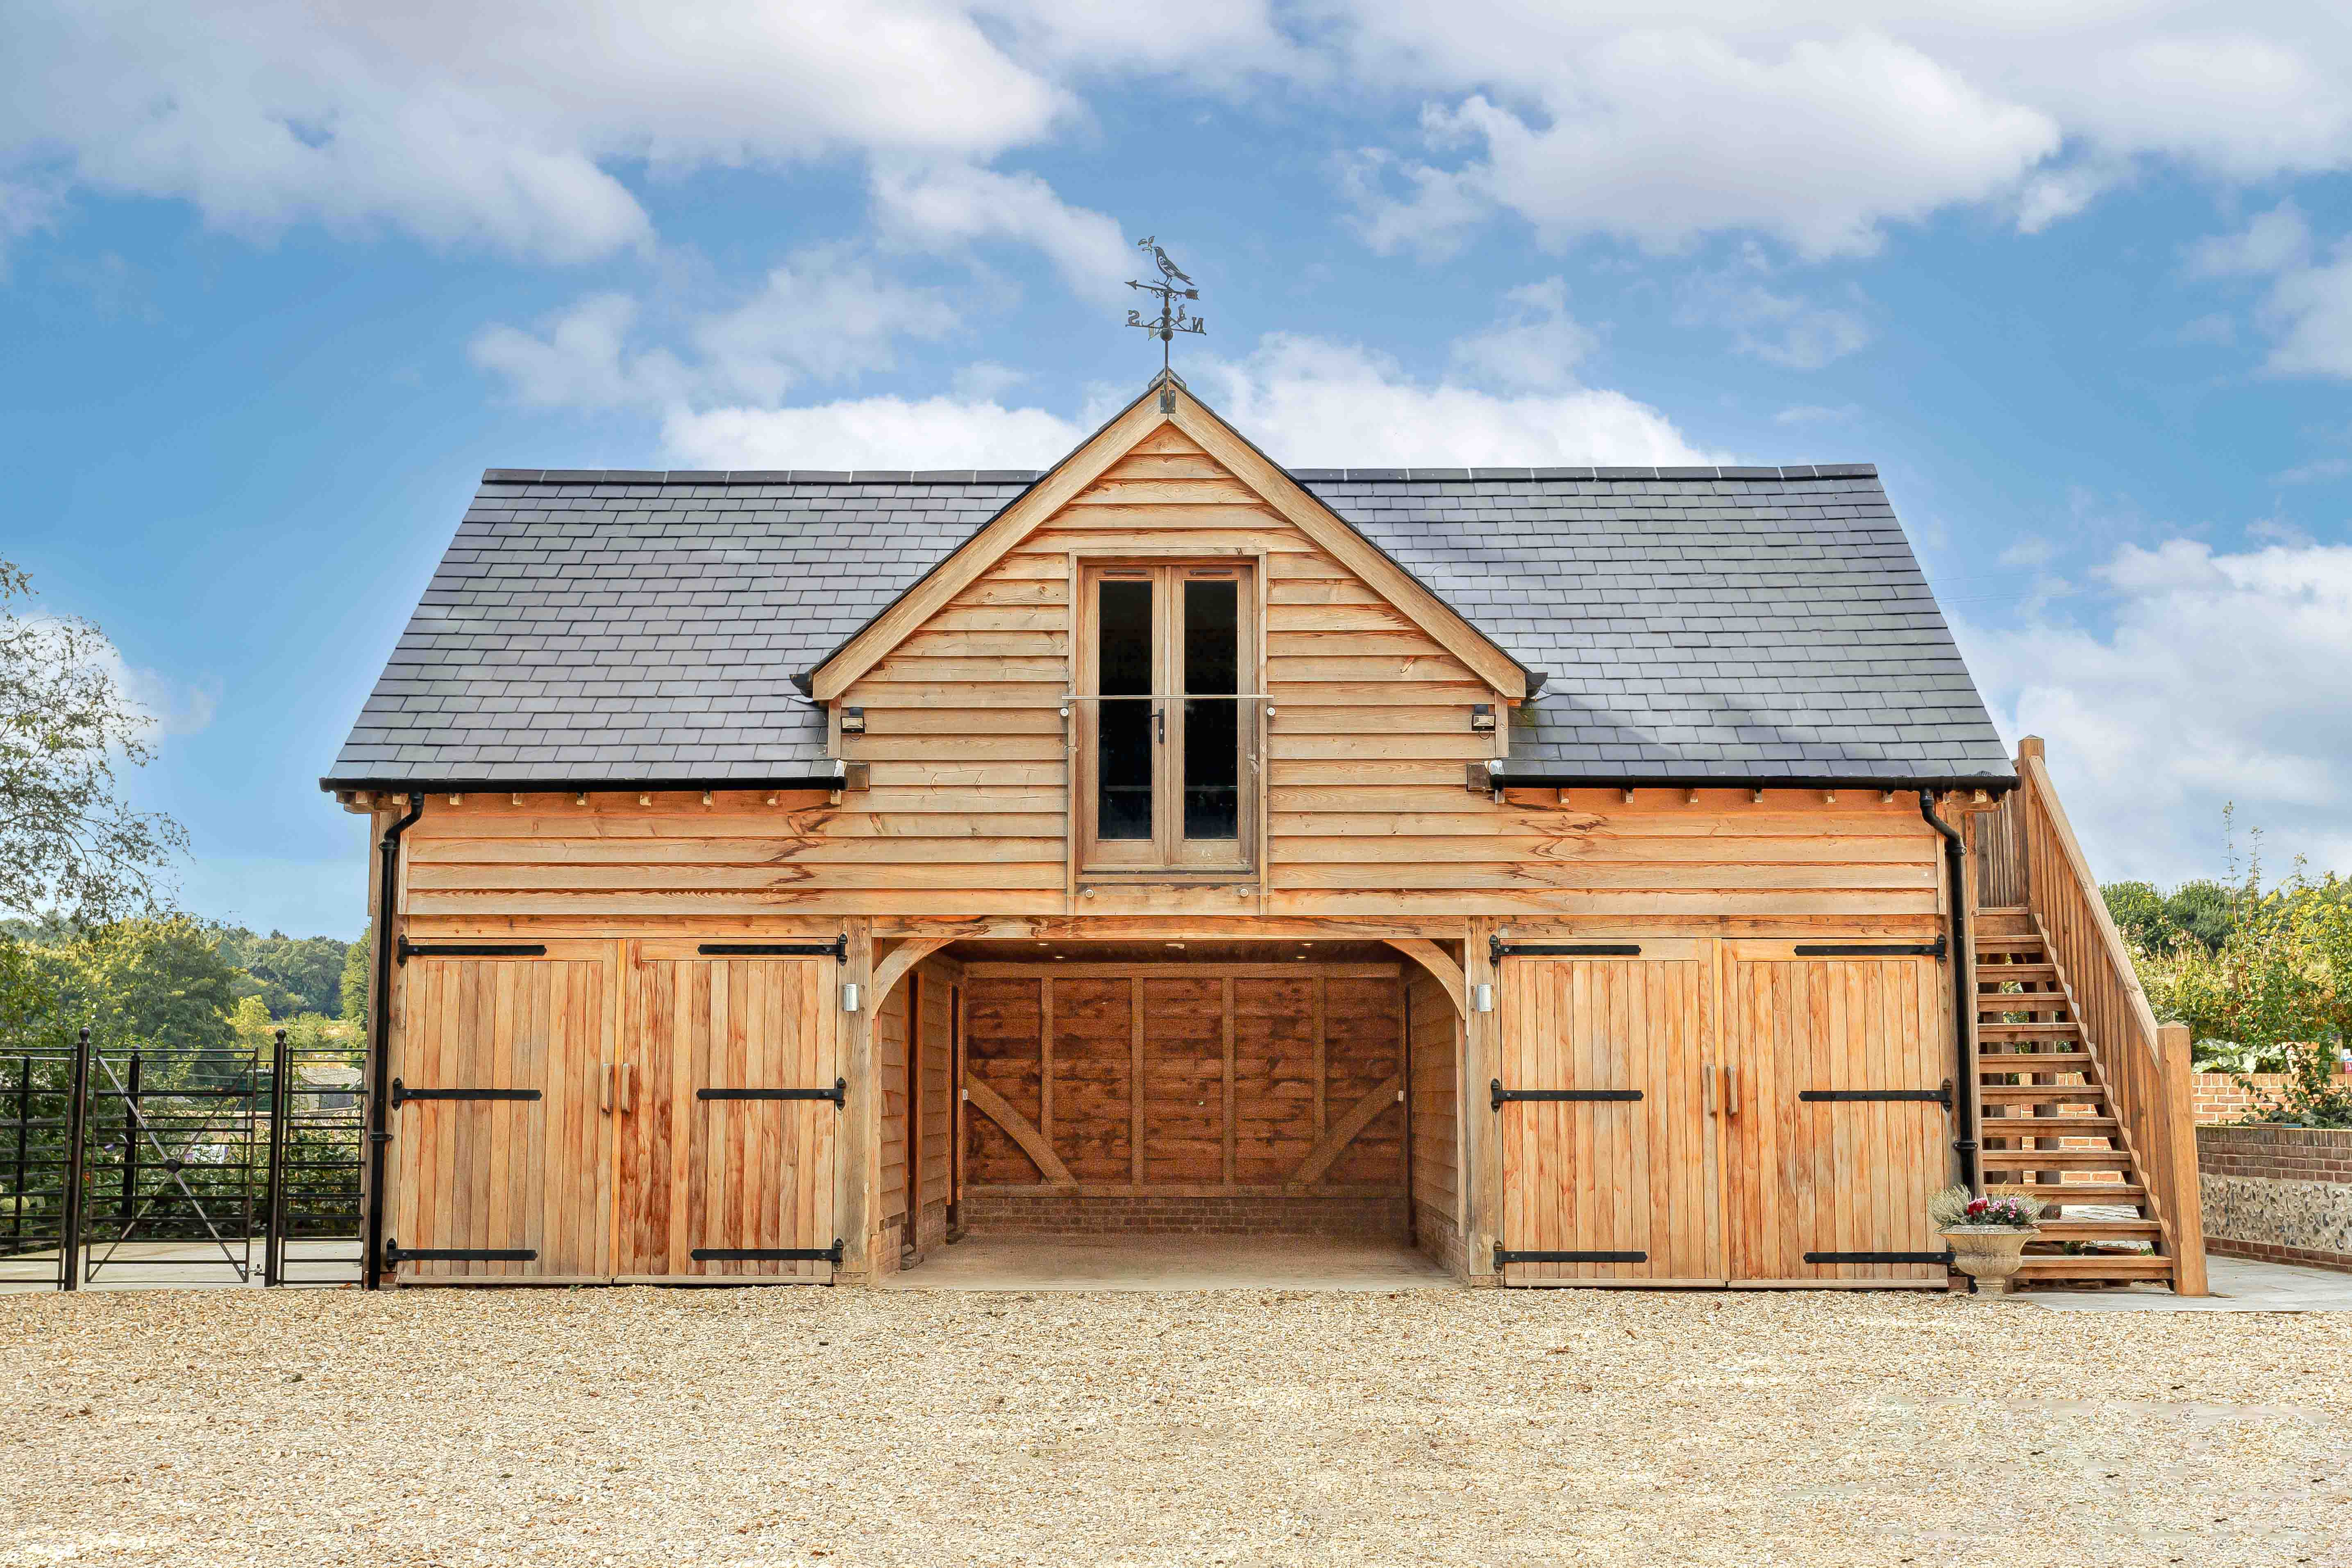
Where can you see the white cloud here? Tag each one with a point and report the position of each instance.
(1309, 402)
(824, 315)
(499, 124)
(1665, 136)
(871, 432)
(1780, 328)
(1313, 404)
(2272, 242)
(2317, 471)
(1818, 414)
(2220, 679)
(1537, 345)
(948, 206)
(2307, 310)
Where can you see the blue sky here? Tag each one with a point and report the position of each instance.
(280, 280)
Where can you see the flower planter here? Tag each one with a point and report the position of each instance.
(1990, 1254)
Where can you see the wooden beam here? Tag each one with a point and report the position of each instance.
(902, 958)
(1359, 1116)
(994, 1105)
(1432, 957)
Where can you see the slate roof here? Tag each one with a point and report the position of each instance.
(609, 625)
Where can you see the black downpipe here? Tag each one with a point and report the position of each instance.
(380, 1055)
(1964, 1006)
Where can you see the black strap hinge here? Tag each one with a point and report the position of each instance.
(1501, 1094)
(769, 1253)
(408, 950)
(1942, 1096)
(1498, 950)
(402, 1094)
(1944, 1257)
(1504, 1256)
(838, 949)
(1935, 949)
(395, 1255)
(838, 1093)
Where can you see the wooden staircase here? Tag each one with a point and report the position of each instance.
(2049, 1124)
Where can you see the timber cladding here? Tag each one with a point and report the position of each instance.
(1193, 1082)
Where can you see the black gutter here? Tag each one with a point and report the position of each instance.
(1964, 1005)
(825, 781)
(1989, 784)
(380, 1056)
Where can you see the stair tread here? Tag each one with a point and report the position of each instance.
(2096, 1266)
(2031, 1093)
(2054, 1159)
(2098, 1229)
(2035, 1061)
(2033, 1029)
(2080, 1192)
(2049, 1126)
(2007, 942)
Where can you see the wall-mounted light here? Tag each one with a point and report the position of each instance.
(1482, 719)
(853, 720)
(849, 997)
(1481, 999)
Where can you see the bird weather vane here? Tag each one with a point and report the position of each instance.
(1172, 288)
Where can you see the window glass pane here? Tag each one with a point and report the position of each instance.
(1123, 666)
(1211, 734)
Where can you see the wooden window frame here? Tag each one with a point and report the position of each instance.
(1167, 854)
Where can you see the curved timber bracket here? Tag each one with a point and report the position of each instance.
(899, 959)
(1433, 958)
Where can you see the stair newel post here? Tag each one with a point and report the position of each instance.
(2185, 1195)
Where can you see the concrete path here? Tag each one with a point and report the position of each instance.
(2238, 1286)
(179, 1265)
(1172, 1263)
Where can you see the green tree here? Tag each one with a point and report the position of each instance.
(67, 840)
(354, 989)
(158, 981)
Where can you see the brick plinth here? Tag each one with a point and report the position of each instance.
(1055, 1215)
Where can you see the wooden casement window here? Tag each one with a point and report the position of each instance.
(1167, 718)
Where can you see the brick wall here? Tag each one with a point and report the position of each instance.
(1434, 1234)
(2280, 1194)
(2219, 1097)
(1021, 1214)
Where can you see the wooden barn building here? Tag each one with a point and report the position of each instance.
(1584, 877)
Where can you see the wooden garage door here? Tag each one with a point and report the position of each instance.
(1824, 1166)
(1614, 1189)
(725, 1149)
(499, 1142)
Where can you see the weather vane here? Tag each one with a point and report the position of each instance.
(1172, 287)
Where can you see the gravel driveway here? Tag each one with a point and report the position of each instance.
(844, 1428)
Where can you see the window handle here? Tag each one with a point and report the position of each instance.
(1160, 719)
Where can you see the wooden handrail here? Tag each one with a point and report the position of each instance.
(2117, 956)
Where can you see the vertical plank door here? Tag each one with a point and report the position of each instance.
(1831, 1145)
(498, 1150)
(1626, 1188)
(725, 1149)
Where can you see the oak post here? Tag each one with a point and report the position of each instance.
(858, 1174)
(2185, 1190)
(1482, 1158)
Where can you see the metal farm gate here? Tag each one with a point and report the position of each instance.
(231, 1164)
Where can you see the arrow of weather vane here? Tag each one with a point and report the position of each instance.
(1172, 288)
